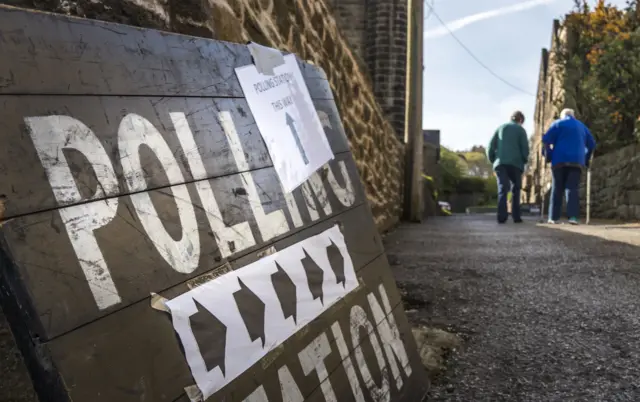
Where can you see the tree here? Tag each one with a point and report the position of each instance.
(602, 68)
(479, 149)
(477, 163)
(452, 169)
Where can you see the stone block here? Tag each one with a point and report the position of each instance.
(634, 197)
(622, 212)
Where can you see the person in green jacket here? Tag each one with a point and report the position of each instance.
(508, 151)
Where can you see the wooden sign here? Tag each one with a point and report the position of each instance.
(148, 250)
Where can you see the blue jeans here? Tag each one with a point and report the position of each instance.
(565, 179)
(509, 178)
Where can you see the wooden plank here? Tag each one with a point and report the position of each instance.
(132, 165)
(205, 130)
(16, 385)
(411, 388)
(60, 274)
(135, 354)
(324, 331)
(45, 53)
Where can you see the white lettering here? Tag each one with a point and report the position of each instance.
(308, 199)
(293, 209)
(182, 255)
(312, 358)
(390, 335)
(259, 395)
(50, 135)
(272, 224)
(347, 363)
(359, 320)
(239, 235)
(321, 194)
(314, 186)
(346, 195)
(288, 386)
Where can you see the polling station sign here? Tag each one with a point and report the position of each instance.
(289, 124)
(150, 251)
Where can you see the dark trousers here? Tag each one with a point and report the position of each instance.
(566, 179)
(509, 178)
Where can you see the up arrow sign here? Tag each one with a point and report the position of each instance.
(291, 124)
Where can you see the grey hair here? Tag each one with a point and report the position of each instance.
(567, 112)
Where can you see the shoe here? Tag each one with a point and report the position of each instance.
(574, 221)
(517, 221)
(551, 222)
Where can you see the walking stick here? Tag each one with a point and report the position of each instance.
(542, 207)
(589, 192)
(545, 190)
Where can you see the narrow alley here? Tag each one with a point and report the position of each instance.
(544, 313)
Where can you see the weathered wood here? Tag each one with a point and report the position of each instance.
(23, 180)
(16, 385)
(411, 388)
(45, 53)
(161, 183)
(135, 353)
(52, 270)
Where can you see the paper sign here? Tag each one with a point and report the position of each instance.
(265, 58)
(287, 120)
(250, 311)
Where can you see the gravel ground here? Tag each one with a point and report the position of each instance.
(544, 314)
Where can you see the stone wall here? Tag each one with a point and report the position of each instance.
(615, 185)
(550, 99)
(307, 28)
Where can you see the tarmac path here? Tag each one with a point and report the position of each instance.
(547, 313)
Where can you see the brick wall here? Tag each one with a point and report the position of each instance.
(377, 33)
(351, 17)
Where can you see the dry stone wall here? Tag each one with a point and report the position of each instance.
(304, 27)
(615, 185)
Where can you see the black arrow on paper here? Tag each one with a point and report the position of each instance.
(315, 276)
(251, 310)
(211, 337)
(292, 127)
(336, 260)
(286, 292)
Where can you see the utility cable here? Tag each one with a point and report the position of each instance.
(433, 12)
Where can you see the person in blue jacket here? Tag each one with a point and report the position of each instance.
(568, 145)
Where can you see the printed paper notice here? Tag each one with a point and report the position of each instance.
(228, 324)
(287, 120)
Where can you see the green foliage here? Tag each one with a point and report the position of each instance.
(491, 190)
(477, 162)
(471, 185)
(603, 71)
(452, 168)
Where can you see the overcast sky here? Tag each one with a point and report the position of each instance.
(462, 99)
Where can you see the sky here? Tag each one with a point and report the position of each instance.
(461, 98)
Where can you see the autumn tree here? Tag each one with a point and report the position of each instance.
(602, 69)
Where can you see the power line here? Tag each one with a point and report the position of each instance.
(432, 11)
